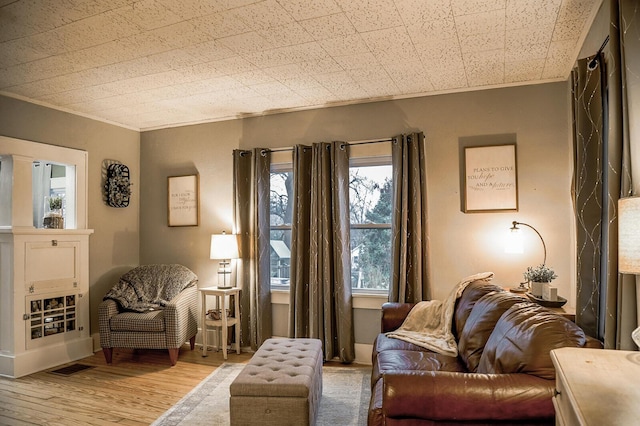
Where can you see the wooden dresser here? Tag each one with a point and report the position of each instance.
(596, 387)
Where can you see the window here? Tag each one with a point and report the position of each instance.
(370, 199)
(281, 210)
(370, 196)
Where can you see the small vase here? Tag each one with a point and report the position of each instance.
(536, 288)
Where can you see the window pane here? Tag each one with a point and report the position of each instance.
(370, 192)
(281, 195)
(280, 257)
(370, 258)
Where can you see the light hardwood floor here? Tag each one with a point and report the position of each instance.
(136, 389)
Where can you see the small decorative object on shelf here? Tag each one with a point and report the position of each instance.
(53, 216)
(117, 186)
(540, 278)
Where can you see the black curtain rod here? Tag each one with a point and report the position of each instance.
(594, 62)
(348, 143)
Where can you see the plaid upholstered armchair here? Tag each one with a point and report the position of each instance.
(151, 307)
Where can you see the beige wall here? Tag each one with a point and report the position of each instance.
(115, 243)
(534, 117)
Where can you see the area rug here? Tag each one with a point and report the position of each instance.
(345, 398)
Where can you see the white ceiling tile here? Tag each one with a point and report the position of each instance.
(148, 14)
(320, 66)
(159, 62)
(538, 13)
(418, 11)
(249, 78)
(306, 9)
(369, 16)
(300, 83)
(187, 9)
(327, 27)
(287, 55)
(442, 54)
(285, 72)
(560, 59)
(246, 43)
(315, 95)
(577, 9)
(19, 51)
(480, 23)
(208, 51)
(448, 79)
(273, 88)
(482, 42)
(223, 24)
(428, 31)
(263, 15)
(342, 46)
(390, 45)
(361, 60)
(286, 35)
(469, 7)
(568, 30)
(521, 71)
(180, 35)
(232, 65)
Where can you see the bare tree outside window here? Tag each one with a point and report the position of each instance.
(370, 192)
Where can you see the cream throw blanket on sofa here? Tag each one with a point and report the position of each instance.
(428, 324)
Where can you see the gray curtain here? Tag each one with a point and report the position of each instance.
(320, 290)
(409, 243)
(602, 93)
(251, 177)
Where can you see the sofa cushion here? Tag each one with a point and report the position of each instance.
(385, 343)
(150, 321)
(523, 338)
(464, 304)
(395, 360)
(483, 317)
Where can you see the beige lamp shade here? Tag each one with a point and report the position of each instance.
(629, 235)
(224, 246)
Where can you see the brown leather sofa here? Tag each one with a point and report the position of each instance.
(502, 375)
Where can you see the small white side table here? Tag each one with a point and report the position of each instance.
(224, 322)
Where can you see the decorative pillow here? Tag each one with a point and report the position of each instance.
(465, 302)
(483, 317)
(523, 338)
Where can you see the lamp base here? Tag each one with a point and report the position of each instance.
(225, 287)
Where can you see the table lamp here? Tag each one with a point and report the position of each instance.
(224, 247)
(629, 242)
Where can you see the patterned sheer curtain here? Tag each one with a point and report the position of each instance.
(409, 244)
(320, 287)
(605, 87)
(251, 175)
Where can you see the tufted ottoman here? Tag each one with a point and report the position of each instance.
(281, 384)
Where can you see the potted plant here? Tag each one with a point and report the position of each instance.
(538, 276)
(53, 217)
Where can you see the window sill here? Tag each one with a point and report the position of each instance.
(360, 300)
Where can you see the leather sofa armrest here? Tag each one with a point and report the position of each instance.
(393, 315)
(440, 396)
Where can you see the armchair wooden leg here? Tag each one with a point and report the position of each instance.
(108, 354)
(173, 355)
(192, 342)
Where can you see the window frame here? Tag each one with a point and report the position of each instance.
(359, 161)
(370, 161)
